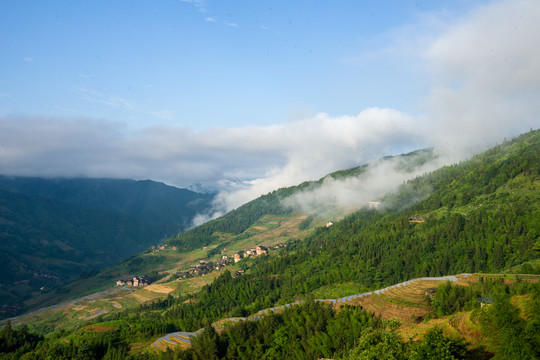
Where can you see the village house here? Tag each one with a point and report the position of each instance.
(136, 281)
(328, 224)
(485, 301)
(237, 258)
(223, 262)
(238, 273)
(161, 248)
(374, 204)
(417, 219)
(261, 250)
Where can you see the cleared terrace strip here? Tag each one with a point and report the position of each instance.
(414, 292)
(397, 292)
(187, 337)
(173, 339)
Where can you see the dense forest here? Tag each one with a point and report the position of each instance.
(481, 215)
(54, 230)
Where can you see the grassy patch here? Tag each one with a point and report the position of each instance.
(335, 291)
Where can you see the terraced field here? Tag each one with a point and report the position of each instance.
(404, 301)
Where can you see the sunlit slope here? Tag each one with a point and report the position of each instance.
(479, 215)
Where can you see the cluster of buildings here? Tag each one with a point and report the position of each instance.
(156, 249)
(204, 267)
(259, 250)
(137, 281)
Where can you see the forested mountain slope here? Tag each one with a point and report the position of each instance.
(151, 201)
(54, 230)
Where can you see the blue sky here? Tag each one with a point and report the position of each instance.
(205, 64)
(249, 96)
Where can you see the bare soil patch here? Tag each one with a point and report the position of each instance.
(162, 289)
(98, 329)
(381, 306)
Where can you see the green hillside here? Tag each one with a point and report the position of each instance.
(53, 231)
(480, 216)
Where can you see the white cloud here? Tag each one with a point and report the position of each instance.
(251, 160)
(314, 147)
(486, 70)
(341, 196)
(210, 19)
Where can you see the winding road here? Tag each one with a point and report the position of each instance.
(178, 337)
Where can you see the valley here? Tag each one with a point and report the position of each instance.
(55, 231)
(268, 231)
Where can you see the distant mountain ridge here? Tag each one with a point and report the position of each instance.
(145, 199)
(54, 230)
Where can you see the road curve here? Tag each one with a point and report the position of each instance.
(187, 337)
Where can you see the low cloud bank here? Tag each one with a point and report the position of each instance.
(241, 162)
(351, 193)
(484, 76)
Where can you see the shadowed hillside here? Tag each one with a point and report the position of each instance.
(55, 230)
